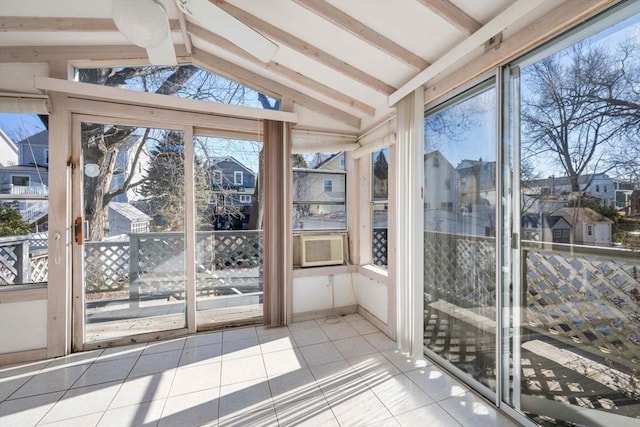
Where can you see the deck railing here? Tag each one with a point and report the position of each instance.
(587, 296)
(23, 259)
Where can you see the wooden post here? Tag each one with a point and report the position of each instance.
(22, 262)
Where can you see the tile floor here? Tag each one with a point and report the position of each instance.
(313, 373)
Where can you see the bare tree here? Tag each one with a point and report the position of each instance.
(582, 105)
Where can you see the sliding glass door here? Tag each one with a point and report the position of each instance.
(460, 234)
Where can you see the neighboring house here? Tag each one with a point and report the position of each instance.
(634, 203)
(440, 183)
(8, 150)
(328, 187)
(232, 188)
(581, 226)
(599, 185)
(125, 218)
(29, 176)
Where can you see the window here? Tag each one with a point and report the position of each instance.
(597, 188)
(319, 189)
(380, 207)
(436, 162)
(20, 181)
(245, 198)
(589, 230)
(46, 156)
(217, 177)
(238, 177)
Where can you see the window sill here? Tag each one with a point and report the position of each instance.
(322, 271)
(374, 272)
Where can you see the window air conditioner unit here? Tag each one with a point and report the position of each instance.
(319, 250)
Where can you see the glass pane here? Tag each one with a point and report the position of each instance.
(134, 206)
(313, 186)
(380, 174)
(319, 216)
(379, 238)
(24, 209)
(229, 231)
(580, 232)
(185, 81)
(459, 224)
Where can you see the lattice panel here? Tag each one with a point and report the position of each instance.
(160, 262)
(39, 268)
(590, 300)
(459, 269)
(379, 246)
(238, 251)
(8, 263)
(106, 266)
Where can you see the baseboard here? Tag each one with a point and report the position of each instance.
(322, 314)
(23, 356)
(384, 328)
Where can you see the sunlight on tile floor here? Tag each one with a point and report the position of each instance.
(313, 373)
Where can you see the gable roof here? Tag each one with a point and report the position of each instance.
(130, 212)
(586, 215)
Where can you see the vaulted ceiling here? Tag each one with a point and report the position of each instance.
(340, 64)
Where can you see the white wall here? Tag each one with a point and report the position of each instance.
(23, 326)
(314, 293)
(372, 296)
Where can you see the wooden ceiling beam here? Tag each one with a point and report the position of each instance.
(183, 29)
(304, 48)
(344, 21)
(268, 86)
(42, 24)
(117, 54)
(340, 97)
(453, 15)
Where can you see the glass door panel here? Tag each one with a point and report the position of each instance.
(133, 203)
(228, 232)
(459, 234)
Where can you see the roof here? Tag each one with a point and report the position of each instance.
(130, 212)
(345, 75)
(40, 138)
(215, 160)
(586, 215)
(583, 180)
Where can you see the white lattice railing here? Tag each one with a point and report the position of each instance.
(586, 296)
(24, 259)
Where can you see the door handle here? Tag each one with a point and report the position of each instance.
(78, 230)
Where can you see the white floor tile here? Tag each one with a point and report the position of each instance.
(359, 408)
(193, 409)
(303, 325)
(201, 355)
(162, 346)
(337, 379)
(245, 369)
(143, 389)
(203, 339)
(240, 348)
(338, 330)
(284, 361)
(155, 363)
(83, 401)
(436, 383)
(404, 362)
(399, 394)
(144, 414)
(27, 411)
(432, 415)
(9, 385)
(195, 378)
(271, 343)
(310, 412)
(363, 326)
(90, 420)
(293, 386)
(380, 341)
(320, 354)
(309, 336)
(469, 409)
(389, 422)
(374, 368)
(239, 334)
(245, 397)
(51, 379)
(265, 332)
(354, 346)
(103, 372)
(121, 352)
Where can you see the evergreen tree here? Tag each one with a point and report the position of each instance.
(11, 223)
(164, 184)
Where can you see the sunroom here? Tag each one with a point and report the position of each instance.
(441, 197)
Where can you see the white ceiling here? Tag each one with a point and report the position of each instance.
(351, 76)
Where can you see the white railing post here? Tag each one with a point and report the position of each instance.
(134, 271)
